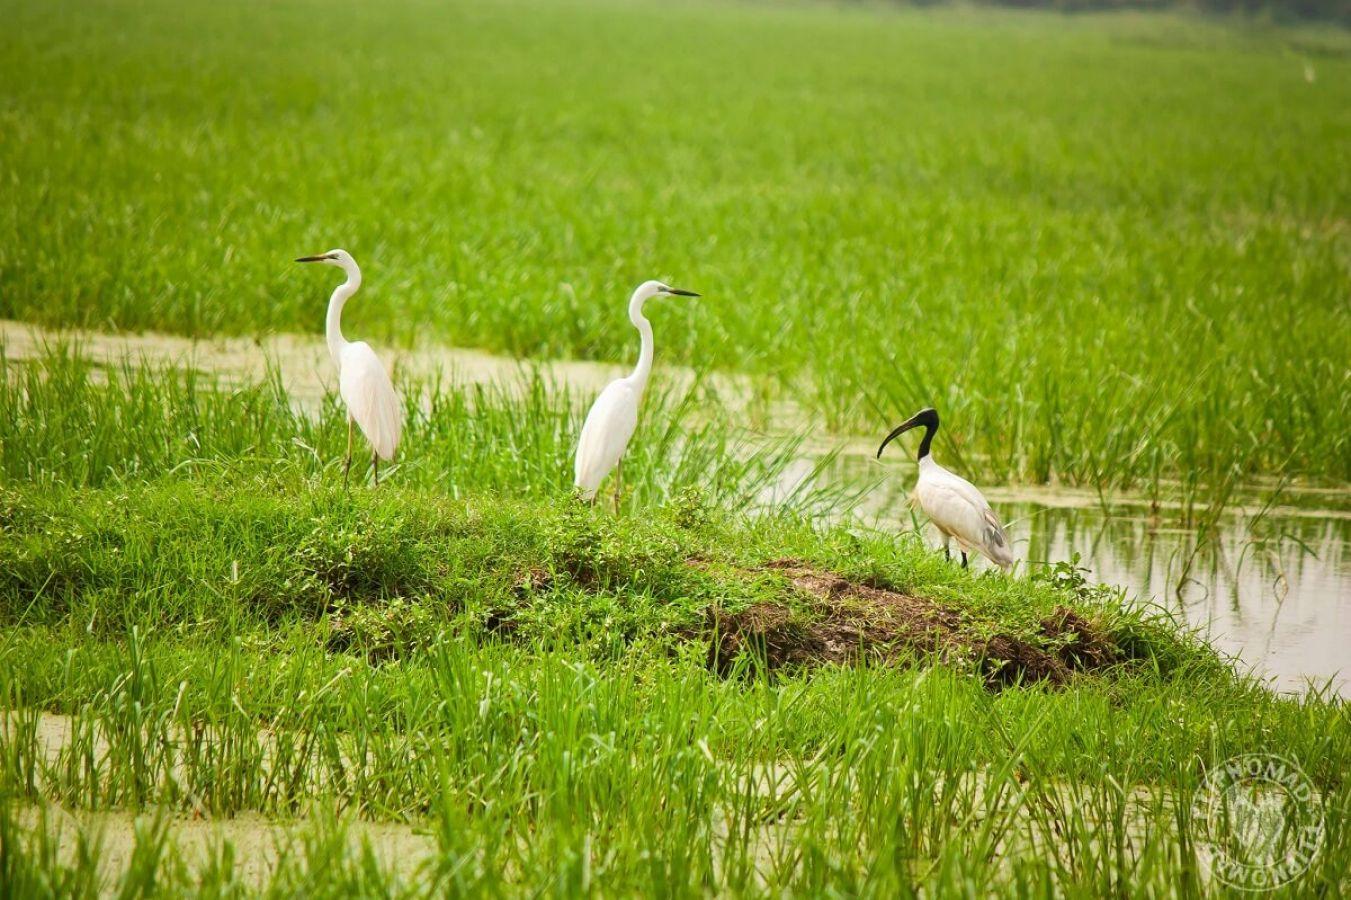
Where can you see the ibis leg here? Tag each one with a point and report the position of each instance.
(963, 559)
(947, 548)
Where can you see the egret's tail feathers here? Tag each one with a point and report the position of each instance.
(589, 472)
(586, 482)
(383, 433)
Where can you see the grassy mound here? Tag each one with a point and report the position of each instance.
(383, 573)
(855, 621)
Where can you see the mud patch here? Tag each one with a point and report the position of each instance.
(1080, 645)
(851, 622)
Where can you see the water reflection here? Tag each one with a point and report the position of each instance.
(1273, 590)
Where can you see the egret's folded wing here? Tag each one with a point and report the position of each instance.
(605, 435)
(370, 398)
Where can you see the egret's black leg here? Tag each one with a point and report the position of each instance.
(619, 483)
(963, 559)
(375, 464)
(347, 465)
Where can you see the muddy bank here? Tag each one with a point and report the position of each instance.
(853, 622)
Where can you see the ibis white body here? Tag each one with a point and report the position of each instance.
(957, 509)
(960, 512)
(363, 382)
(610, 424)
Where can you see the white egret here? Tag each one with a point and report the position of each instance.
(363, 382)
(613, 417)
(951, 502)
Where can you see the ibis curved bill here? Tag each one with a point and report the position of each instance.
(613, 417)
(957, 509)
(364, 384)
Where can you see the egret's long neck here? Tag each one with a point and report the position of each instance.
(644, 367)
(341, 294)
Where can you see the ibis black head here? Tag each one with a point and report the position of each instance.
(926, 418)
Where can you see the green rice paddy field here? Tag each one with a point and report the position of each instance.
(1109, 246)
(1113, 250)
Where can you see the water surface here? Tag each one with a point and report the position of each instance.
(1271, 587)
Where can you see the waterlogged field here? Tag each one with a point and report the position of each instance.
(222, 671)
(1112, 250)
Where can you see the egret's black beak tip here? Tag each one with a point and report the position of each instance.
(680, 293)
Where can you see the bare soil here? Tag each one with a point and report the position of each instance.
(854, 622)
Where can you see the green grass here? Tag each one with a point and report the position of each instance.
(187, 629)
(524, 680)
(1111, 249)
(178, 623)
(67, 421)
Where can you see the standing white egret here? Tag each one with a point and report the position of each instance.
(951, 502)
(613, 417)
(363, 382)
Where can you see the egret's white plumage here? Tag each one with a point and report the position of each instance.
(958, 510)
(605, 435)
(613, 417)
(370, 397)
(363, 382)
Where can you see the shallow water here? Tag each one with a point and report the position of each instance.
(1272, 589)
(1276, 593)
(302, 365)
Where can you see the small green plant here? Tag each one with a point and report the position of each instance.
(1070, 578)
(380, 631)
(690, 508)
